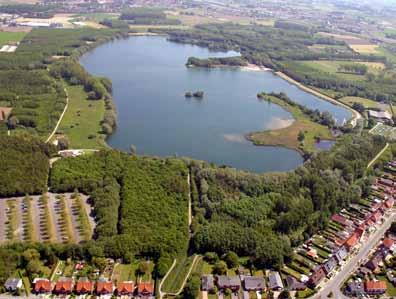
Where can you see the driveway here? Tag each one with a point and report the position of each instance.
(204, 294)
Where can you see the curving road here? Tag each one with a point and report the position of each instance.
(334, 284)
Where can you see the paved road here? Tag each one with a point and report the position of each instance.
(350, 266)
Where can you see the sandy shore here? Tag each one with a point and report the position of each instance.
(356, 115)
(143, 34)
(254, 68)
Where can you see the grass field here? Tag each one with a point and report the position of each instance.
(287, 137)
(386, 131)
(391, 289)
(81, 122)
(97, 17)
(123, 272)
(11, 37)
(175, 278)
(365, 49)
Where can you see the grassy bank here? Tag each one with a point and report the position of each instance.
(288, 137)
(81, 123)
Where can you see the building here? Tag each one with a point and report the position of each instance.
(275, 282)
(355, 288)
(84, 286)
(13, 284)
(145, 289)
(339, 219)
(389, 203)
(5, 113)
(351, 241)
(63, 286)
(125, 288)
(42, 286)
(254, 283)
(228, 282)
(316, 277)
(294, 285)
(375, 287)
(207, 283)
(104, 288)
(341, 254)
(330, 265)
(388, 243)
(383, 116)
(373, 264)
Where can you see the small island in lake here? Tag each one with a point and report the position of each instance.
(196, 94)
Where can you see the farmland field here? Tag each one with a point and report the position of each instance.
(11, 37)
(365, 49)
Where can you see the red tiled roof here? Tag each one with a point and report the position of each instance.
(352, 241)
(84, 286)
(63, 286)
(125, 287)
(376, 216)
(104, 287)
(388, 242)
(42, 285)
(389, 203)
(146, 287)
(375, 285)
(339, 219)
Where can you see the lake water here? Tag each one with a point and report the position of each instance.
(149, 81)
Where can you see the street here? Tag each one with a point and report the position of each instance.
(334, 285)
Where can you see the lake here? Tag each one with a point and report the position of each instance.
(149, 82)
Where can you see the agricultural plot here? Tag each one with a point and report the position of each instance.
(62, 218)
(386, 131)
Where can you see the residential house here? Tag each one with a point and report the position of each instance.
(373, 264)
(42, 286)
(228, 282)
(254, 283)
(388, 243)
(341, 254)
(376, 217)
(382, 116)
(63, 286)
(339, 219)
(4, 113)
(351, 241)
(355, 288)
(294, 285)
(330, 265)
(275, 281)
(84, 286)
(207, 283)
(389, 203)
(316, 277)
(145, 289)
(104, 288)
(375, 287)
(125, 288)
(13, 284)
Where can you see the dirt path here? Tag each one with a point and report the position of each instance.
(356, 115)
(60, 118)
(378, 155)
(189, 201)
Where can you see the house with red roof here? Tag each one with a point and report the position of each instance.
(104, 288)
(42, 286)
(375, 217)
(339, 219)
(351, 241)
(145, 289)
(316, 277)
(63, 286)
(389, 203)
(375, 287)
(125, 288)
(84, 286)
(388, 243)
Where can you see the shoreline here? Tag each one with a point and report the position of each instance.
(355, 115)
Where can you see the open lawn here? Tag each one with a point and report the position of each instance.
(123, 272)
(96, 17)
(391, 290)
(81, 122)
(176, 277)
(365, 49)
(288, 137)
(11, 37)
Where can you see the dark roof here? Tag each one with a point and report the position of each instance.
(293, 284)
(254, 283)
(223, 280)
(207, 282)
(275, 280)
(12, 283)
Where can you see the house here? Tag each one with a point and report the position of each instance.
(254, 283)
(339, 219)
(13, 284)
(125, 288)
(63, 286)
(294, 285)
(104, 288)
(145, 289)
(316, 277)
(330, 265)
(383, 116)
(84, 286)
(355, 288)
(390, 277)
(373, 264)
(5, 113)
(341, 254)
(389, 203)
(228, 282)
(351, 241)
(375, 287)
(388, 243)
(42, 286)
(207, 282)
(275, 282)
(375, 217)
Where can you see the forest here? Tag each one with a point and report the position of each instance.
(140, 202)
(146, 16)
(24, 165)
(214, 62)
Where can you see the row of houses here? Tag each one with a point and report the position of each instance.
(66, 286)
